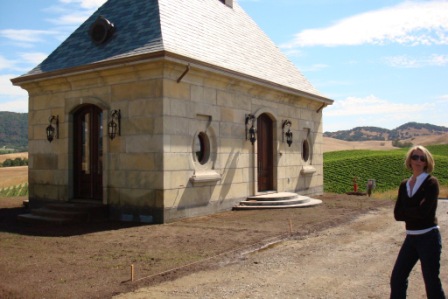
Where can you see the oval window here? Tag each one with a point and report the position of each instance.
(202, 148)
(305, 150)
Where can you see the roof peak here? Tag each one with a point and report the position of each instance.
(199, 30)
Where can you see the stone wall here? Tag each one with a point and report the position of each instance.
(152, 172)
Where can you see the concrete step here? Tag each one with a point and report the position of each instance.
(279, 200)
(276, 202)
(274, 196)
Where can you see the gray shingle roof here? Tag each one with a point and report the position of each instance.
(202, 30)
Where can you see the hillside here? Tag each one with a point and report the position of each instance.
(406, 132)
(14, 135)
(333, 144)
(14, 131)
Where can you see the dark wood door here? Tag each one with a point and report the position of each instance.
(88, 153)
(265, 153)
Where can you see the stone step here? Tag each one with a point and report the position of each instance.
(274, 196)
(279, 200)
(66, 213)
(275, 202)
(33, 218)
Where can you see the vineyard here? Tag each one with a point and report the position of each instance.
(19, 190)
(385, 167)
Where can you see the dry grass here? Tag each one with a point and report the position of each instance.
(332, 144)
(4, 157)
(13, 176)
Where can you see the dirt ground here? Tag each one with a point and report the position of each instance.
(327, 251)
(348, 261)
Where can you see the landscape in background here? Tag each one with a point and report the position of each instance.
(361, 154)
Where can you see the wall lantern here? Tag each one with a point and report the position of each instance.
(288, 133)
(250, 118)
(53, 128)
(114, 126)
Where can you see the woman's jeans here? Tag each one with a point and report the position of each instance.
(427, 248)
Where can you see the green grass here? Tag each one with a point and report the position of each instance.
(386, 167)
(13, 191)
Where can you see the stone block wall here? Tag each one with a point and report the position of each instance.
(152, 170)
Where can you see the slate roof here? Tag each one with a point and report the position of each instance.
(200, 30)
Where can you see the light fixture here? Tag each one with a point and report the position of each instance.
(288, 133)
(250, 118)
(53, 128)
(114, 126)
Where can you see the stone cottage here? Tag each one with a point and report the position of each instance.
(162, 109)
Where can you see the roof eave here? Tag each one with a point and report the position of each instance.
(209, 67)
(138, 59)
(101, 65)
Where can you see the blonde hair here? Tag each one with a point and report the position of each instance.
(429, 159)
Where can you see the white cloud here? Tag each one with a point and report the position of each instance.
(443, 99)
(33, 58)
(72, 12)
(6, 87)
(372, 111)
(22, 62)
(404, 61)
(19, 105)
(88, 4)
(26, 35)
(409, 23)
(13, 98)
(70, 19)
(6, 64)
(372, 105)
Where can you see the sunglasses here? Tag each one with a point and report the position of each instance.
(416, 157)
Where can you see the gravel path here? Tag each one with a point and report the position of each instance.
(349, 261)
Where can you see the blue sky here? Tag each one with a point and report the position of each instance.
(383, 62)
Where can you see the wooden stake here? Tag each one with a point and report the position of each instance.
(132, 272)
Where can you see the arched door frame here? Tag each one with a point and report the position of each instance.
(88, 153)
(272, 115)
(73, 105)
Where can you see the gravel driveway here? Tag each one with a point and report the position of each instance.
(353, 260)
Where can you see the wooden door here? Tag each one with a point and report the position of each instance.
(88, 153)
(265, 153)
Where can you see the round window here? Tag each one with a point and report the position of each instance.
(101, 30)
(305, 150)
(202, 148)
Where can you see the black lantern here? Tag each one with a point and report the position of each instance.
(53, 128)
(288, 133)
(113, 127)
(250, 118)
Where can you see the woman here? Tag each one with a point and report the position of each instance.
(416, 206)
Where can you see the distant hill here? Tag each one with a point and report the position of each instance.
(404, 132)
(14, 134)
(14, 131)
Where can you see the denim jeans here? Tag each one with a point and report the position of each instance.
(427, 248)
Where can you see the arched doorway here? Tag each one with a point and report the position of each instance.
(265, 151)
(88, 153)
